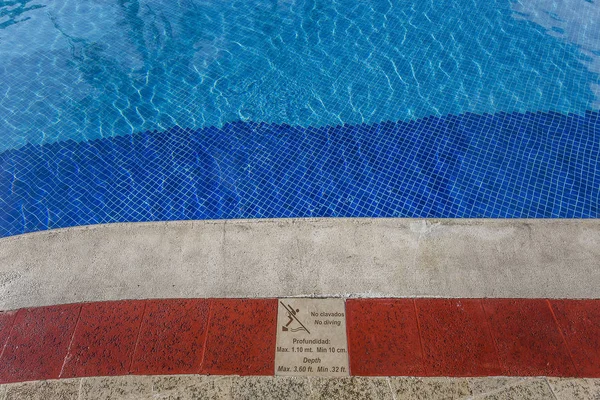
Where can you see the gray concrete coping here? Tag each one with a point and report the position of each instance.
(303, 388)
(303, 257)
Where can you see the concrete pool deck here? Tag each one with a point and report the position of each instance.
(303, 257)
(249, 263)
(298, 388)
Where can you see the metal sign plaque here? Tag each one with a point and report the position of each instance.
(311, 338)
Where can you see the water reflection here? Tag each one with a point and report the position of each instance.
(84, 69)
(13, 12)
(573, 21)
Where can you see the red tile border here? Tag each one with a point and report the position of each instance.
(38, 343)
(456, 338)
(172, 337)
(579, 321)
(528, 339)
(383, 337)
(241, 337)
(419, 337)
(104, 339)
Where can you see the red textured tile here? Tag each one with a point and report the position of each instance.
(38, 343)
(528, 339)
(383, 337)
(579, 321)
(6, 323)
(104, 339)
(456, 338)
(172, 337)
(241, 337)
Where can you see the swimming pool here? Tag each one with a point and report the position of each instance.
(161, 110)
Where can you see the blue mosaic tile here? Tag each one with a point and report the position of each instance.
(506, 165)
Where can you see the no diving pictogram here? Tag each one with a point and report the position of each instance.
(292, 316)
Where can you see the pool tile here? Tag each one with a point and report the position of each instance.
(104, 339)
(172, 337)
(383, 337)
(579, 321)
(38, 343)
(456, 338)
(241, 337)
(505, 165)
(528, 339)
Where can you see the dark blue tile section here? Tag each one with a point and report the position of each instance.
(531, 165)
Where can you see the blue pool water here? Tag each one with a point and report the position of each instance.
(114, 110)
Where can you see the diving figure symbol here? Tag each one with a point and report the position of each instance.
(292, 316)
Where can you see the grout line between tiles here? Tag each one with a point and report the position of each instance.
(423, 363)
(487, 323)
(488, 318)
(80, 388)
(347, 338)
(139, 334)
(550, 388)
(62, 368)
(564, 339)
(208, 320)
(10, 331)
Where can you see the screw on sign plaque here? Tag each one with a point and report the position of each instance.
(311, 338)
